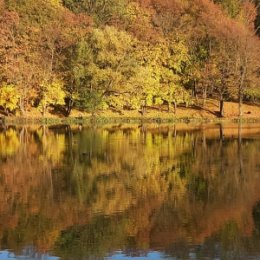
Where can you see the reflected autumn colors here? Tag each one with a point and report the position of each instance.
(123, 192)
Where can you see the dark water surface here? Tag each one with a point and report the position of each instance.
(130, 192)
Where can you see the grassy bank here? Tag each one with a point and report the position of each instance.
(208, 113)
(119, 120)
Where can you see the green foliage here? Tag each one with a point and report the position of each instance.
(90, 101)
(252, 94)
(102, 65)
(9, 97)
(232, 7)
(102, 11)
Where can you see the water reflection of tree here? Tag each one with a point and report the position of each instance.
(140, 187)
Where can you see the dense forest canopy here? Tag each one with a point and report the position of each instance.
(127, 54)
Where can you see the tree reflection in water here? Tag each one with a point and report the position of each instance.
(141, 191)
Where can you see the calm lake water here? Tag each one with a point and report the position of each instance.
(130, 192)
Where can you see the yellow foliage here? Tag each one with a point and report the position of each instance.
(9, 97)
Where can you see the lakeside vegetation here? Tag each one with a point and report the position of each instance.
(128, 57)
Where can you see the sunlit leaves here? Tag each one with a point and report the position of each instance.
(52, 94)
(9, 97)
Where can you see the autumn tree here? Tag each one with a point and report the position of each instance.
(52, 93)
(102, 65)
(247, 51)
(9, 98)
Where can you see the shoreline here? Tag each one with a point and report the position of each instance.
(193, 114)
(102, 120)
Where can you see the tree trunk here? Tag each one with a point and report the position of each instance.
(44, 111)
(240, 90)
(175, 107)
(221, 107)
(69, 106)
(21, 105)
(52, 59)
(194, 90)
(204, 96)
(240, 102)
(143, 110)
